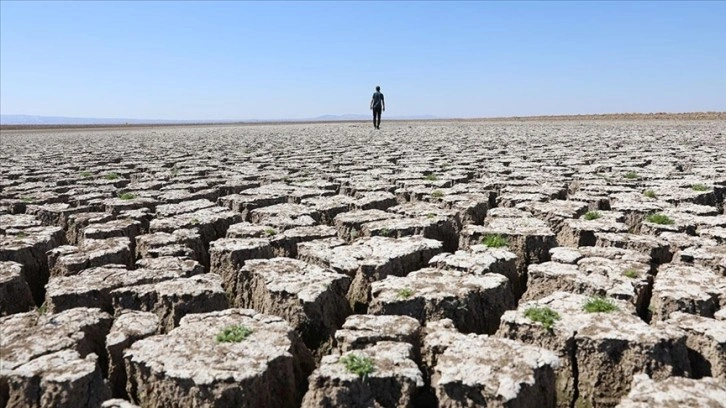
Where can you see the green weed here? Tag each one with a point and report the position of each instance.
(599, 304)
(233, 334)
(494, 241)
(405, 293)
(660, 219)
(362, 366)
(592, 215)
(699, 187)
(543, 315)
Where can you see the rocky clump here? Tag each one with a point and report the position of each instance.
(383, 374)
(473, 302)
(235, 357)
(674, 392)
(15, 295)
(599, 351)
(310, 298)
(371, 259)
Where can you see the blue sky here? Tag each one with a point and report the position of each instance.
(244, 60)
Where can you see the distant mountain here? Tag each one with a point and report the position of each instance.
(62, 120)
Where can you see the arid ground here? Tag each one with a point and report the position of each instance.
(560, 262)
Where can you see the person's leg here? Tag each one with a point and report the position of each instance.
(374, 117)
(377, 117)
(378, 125)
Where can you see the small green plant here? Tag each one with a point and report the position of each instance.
(405, 293)
(543, 315)
(431, 177)
(649, 193)
(430, 215)
(21, 235)
(174, 172)
(111, 176)
(592, 215)
(699, 187)
(437, 194)
(233, 334)
(385, 232)
(270, 232)
(599, 304)
(660, 219)
(631, 175)
(354, 234)
(461, 306)
(127, 196)
(194, 221)
(631, 273)
(27, 199)
(361, 366)
(494, 241)
(43, 308)
(86, 174)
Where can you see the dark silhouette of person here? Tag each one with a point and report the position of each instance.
(378, 105)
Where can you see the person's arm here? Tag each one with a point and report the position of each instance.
(371, 103)
(383, 103)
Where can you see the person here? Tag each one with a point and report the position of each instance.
(378, 105)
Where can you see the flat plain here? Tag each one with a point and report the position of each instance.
(507, 263)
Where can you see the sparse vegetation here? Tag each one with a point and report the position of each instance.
(599, 304)
(174, 172)
(494, 241)
(27, 199)
(631, 273)
(21, 235)
(127, 196)
(194, 221)
(43, 308)
(699, 187)
(86, 174)
(631, 175)
(649, 193)
(405, 293)
(111, 176)
(437, 194)
(544, 315)
(430, 215)
(461, 306)
(359, 365)
(660, 219)
(431, 177)
(384, 232)
(270, 232)
(592, 215)
(233, 334)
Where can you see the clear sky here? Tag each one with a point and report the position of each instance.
(245, 60)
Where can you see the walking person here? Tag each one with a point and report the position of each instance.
(378, 105)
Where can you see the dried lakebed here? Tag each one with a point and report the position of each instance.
(452, 264)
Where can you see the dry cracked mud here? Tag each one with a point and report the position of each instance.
(520, 263)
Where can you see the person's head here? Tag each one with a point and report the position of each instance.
(378, 89)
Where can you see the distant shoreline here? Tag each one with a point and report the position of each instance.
(589, 117)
